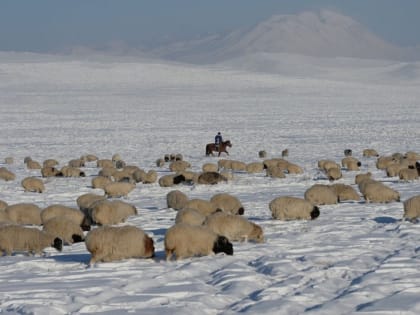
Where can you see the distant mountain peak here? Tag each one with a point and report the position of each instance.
(322, 34)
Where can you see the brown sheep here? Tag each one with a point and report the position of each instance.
(227, 203)
(293, 208)
(6, 175)
(176, 199)
(319, 194)
(119, 189)
(24, 213)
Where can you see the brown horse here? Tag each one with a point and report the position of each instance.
(211, 147)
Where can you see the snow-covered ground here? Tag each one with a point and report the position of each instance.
(355, 258)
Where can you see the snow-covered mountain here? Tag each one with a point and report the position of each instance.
(322, 34)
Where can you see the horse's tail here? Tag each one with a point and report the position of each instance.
(208, 151)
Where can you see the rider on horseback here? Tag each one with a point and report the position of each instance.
(218, 140)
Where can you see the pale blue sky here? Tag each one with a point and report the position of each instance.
(54, 25)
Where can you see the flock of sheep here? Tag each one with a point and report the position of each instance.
(202, 227)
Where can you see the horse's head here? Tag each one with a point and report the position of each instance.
(228, 143)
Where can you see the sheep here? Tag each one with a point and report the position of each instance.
(50, 171)
(89, 158)
(111, 212)
(33, 165)
(33, 184)
(345, 192)
(374, 191)
(3, 205)
(123, 175)
(102, 163)
(8, 160)
(334, 174)
(170, 180)
(351, 163)
(412, 208)
(150, 177)
(227, 174)
(69, 231)
(120, 164)
(393, 169)
(111, 243)
(234, 227)
(262, 154)
(385, 161)
(176, 199)
(70, 214)
(227, 203)
(275, 172)
(183, 241)
(189, 216)
(320, 194)
(6, 175)
(139, 175)
(254, 167)
(325, 165)
(210, 167)
(224, 164)
(49, 163)
(76, 163)
(14, 238)
(179, 165)
(205, 207)
(294, 169)
(107, 171)
(178, 157)
(119, 189)
(407, 174)
(70, 171)
(24, 213)
(237, 166)
(361, 177)
(370, 153)
(86, 202)
(276, 162)
(293, 208)
(412, 155)
(100, 182)
(210, 178)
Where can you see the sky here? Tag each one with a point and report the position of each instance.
(54, 25)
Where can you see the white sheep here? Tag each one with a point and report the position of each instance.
(407, 174)
(50, 163)
(33, 184)
(24, 213)
(237, 166)
(103, 163)
(224, 164)
(320, 194)
(50, 171)
(70, 171)
(85, 202)
(183, 240)
(110, 243)
(68, 213)
(374, 191)
(15, 238)
(179, 165)
(112, 212)
(234, 227)
(69, 231)
(255, 167)
(150, 177)
(100, 182)
(274, 172)
(210, 167)
(345, 192)
(205, 207)
(176, 199)
(412, 208)
(227, 203)
(6, 175)
(189, 216)
(119, 189)
(293, 208)
(292, 168)
(33, 165)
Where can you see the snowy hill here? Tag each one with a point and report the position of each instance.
(323, 34)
